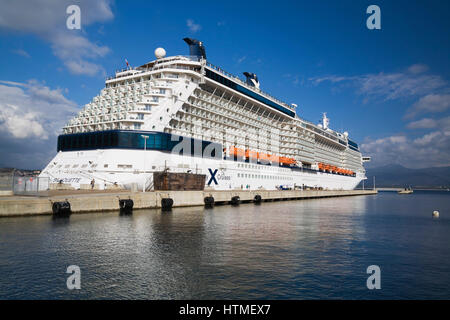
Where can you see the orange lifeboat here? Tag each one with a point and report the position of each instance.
(251, 154)
(268, 157)
(333, 169)
(264, 156)
(275, 158)
(286, 160)
(237, 152)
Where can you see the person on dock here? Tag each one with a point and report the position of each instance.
(92, 184)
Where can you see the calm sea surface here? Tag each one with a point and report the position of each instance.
(309, 249)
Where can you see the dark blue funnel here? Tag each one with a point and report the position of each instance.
(251, 79)
(196, 47)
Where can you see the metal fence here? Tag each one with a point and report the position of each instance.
(30, 185)
(6, 182)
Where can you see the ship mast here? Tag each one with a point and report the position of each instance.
(325, 121)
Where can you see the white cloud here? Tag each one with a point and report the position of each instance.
(32, 110)
(193, 27)
(241, 59)
(390, 86)
(294, 79)
(418, 68)
(19, 124)
(431, 149)
(425, 123)
(430, 103)
(47, 19)
(427, 138)
(21, 52)
(428, 123)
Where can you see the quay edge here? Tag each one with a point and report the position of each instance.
(98, 202)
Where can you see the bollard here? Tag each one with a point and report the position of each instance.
(257, 199)
(61, 208)
(235, 201)
(166, 204)
(126, 206)
(209, 202)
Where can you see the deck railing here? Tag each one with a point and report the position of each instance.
(259, 91)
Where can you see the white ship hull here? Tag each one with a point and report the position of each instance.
(135, 167)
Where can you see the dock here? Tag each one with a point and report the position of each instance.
(392, 189)
(83, 202)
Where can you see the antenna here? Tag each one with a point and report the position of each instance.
(325, 121)
(128, 65)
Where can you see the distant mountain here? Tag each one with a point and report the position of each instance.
(398, 176)
(17, 172)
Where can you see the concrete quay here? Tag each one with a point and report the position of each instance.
(81, 202)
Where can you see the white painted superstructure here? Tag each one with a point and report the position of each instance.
(184, 97)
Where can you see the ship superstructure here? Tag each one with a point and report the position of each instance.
(183, 114)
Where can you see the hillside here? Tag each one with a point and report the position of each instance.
(399, 176)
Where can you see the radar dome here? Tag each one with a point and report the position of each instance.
(346, 134)
(160, 53)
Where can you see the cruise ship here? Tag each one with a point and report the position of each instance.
(183, 114)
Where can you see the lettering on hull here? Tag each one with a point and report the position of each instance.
(216, 175)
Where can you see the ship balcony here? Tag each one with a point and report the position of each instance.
(140, 110)
(161, 85)
(169, 78)
(132, 119)
(153, 97)
(155, 93)
(150, 102)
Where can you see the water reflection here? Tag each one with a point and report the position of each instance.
(296, 249)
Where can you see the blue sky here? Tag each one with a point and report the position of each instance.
(388, 88)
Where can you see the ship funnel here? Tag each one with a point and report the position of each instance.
(196, 47)
(252, 79)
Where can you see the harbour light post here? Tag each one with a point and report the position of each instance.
(145, 149)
